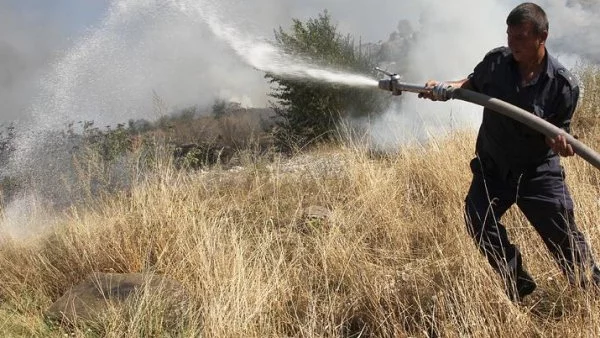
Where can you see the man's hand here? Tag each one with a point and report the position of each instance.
(560, 146)
(464, 83)
(429, 84)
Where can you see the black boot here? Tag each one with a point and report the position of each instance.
(596, 277)
(593, 282)
(523, 286)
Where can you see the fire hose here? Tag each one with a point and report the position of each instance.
(444, 92)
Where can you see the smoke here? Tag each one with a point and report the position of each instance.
(446, 47)
(138, 48)
(27, 42)
(450, 38)
(185, 63)
(573, 29)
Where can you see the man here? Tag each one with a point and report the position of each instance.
(515, 164)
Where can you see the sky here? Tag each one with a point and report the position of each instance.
(70, 16)
(34, 33)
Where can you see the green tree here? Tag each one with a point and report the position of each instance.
(310, 111)
(219, 108)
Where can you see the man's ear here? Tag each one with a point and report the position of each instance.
(543, 37)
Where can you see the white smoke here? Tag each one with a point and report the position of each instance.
(447, 47)
(28, 40)
(574, 26)
(191, 52)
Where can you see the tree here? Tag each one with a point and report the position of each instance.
(219, 108)
(310, 111)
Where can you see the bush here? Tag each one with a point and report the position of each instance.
(309, 111)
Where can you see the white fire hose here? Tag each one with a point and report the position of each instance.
(444, 92)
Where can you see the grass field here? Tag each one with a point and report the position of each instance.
(393, 258)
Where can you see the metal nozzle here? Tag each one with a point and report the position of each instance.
(440, 92)
(390, 84)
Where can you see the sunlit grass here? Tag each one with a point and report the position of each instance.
(392, 259)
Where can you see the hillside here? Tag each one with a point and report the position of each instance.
(388, 256)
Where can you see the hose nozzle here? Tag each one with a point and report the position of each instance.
(390, 84)
(441, 92)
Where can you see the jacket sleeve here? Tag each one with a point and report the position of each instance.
(482, 73)
(566, 103)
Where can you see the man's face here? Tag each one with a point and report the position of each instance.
(524, 42)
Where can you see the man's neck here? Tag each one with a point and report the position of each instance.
(530, 70)
(533, 67)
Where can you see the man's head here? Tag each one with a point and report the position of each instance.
(527, 31)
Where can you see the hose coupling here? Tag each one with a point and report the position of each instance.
(441, 92)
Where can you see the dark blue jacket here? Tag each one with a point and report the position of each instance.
(553, 96)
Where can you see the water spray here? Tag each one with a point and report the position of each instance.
(445, 92)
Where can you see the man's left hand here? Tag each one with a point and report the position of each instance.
(560, 146)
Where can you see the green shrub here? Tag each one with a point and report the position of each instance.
(310, 111)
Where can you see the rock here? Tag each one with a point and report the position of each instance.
(99, 292)
(315, 212)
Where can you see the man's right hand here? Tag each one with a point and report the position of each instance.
(429, 85)
(560, 146)
(464, 83)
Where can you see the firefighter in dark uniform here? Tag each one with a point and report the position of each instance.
(516, 164)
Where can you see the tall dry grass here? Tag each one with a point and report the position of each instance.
(392, 260)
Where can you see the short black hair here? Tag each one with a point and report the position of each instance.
(529, 12)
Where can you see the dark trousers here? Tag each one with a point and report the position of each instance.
(542, 195)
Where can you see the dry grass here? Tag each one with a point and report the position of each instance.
(392, 260)
(238, 129)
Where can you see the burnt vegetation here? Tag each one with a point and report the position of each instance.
(86, 159)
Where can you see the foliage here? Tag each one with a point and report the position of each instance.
(83, 160)
(585, 121)
(110, 143)
(219, 108)
(309, 110)
(392, 258)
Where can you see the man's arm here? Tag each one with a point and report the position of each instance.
(562, 118)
